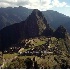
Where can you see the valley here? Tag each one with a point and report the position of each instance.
(48, 52)
(34, 44)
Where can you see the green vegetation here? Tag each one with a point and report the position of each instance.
(9, 56)
(15, 63)
(50, 61)
(39, 43)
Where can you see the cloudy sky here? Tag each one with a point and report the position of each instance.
(62, 6)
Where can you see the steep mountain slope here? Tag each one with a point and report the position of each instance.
(36, 23)
(33, 26)
(11, 15)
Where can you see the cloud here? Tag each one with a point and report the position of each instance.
(56, 3)
(39, 4)
(4, 4)
(34, 4)
(8, 3)
(67, 6)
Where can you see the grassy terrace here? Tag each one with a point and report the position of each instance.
(39, 43)
(49, 59)
(9, 56)
(36, 42)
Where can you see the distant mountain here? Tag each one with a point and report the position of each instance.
(56, 19)
(11, 15)
(33, 26)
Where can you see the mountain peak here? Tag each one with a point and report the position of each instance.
(36, 23)
(60, 32)
(36, 10)
(37, 13)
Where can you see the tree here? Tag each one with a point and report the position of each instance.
(28, 62)
(36, 65)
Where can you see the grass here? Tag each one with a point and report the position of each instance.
(47, 62)
(9, 56)
(49, 59)
(26, 49)
(39, 43)
(24, 57)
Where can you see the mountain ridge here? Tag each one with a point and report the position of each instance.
(21, 13)
(33, 26)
